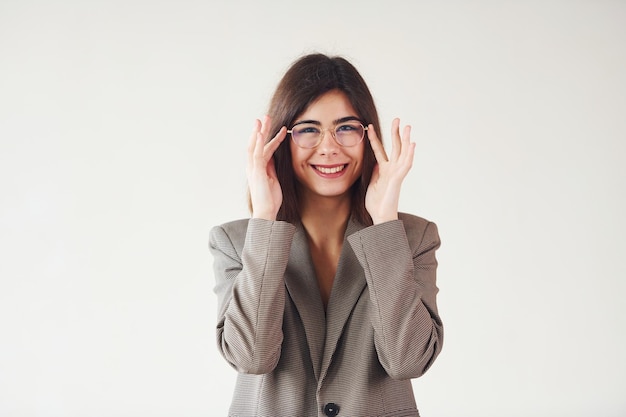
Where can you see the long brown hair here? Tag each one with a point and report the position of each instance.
(305, 81)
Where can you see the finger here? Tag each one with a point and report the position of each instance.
(266, 125)
(377, 146)
(273, 144)
(271, 169)
(406, 159)
(396, 143)
(410, 155)
(375, 174)
(252, 144)
(255, 130)
(259, 148)
(406, 141)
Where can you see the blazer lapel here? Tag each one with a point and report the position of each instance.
(347, 288)
(301, 283)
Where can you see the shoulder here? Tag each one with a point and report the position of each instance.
(232, 228)
(257, 232)
(232, 234)
(411, 220)
(418, 229)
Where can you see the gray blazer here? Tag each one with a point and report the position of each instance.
(381, 326)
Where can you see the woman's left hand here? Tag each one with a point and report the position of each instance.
(383, 192)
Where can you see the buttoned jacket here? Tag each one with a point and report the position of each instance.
(381, 326)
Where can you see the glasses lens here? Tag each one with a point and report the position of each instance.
(306, 136)
(349, 133)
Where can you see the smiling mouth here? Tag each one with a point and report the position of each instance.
(329, 170)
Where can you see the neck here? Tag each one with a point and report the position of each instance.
(325, 219)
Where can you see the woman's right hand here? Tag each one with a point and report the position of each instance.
(265, 192)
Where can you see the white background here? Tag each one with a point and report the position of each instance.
(123, 128)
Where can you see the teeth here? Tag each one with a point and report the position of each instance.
(332, 170)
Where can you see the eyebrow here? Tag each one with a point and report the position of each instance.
(335, 122)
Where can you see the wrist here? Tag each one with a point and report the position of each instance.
(384, 218)
(264, 214)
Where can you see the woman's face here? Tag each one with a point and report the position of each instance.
(329, 169)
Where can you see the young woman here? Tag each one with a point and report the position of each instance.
(327, 295)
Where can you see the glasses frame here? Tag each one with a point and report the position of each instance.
(332, 133)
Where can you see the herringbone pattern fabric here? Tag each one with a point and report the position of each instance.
(381, 326)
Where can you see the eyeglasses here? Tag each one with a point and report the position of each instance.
(308, 135)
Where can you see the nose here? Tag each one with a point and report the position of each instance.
(328, 144)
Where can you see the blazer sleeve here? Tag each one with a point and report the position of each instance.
(251, 292)
(400, 268)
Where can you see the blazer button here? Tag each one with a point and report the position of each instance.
(331, 409)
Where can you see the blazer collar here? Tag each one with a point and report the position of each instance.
(323, 328)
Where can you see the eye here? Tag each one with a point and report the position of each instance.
(303, 130)
(348, 127)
